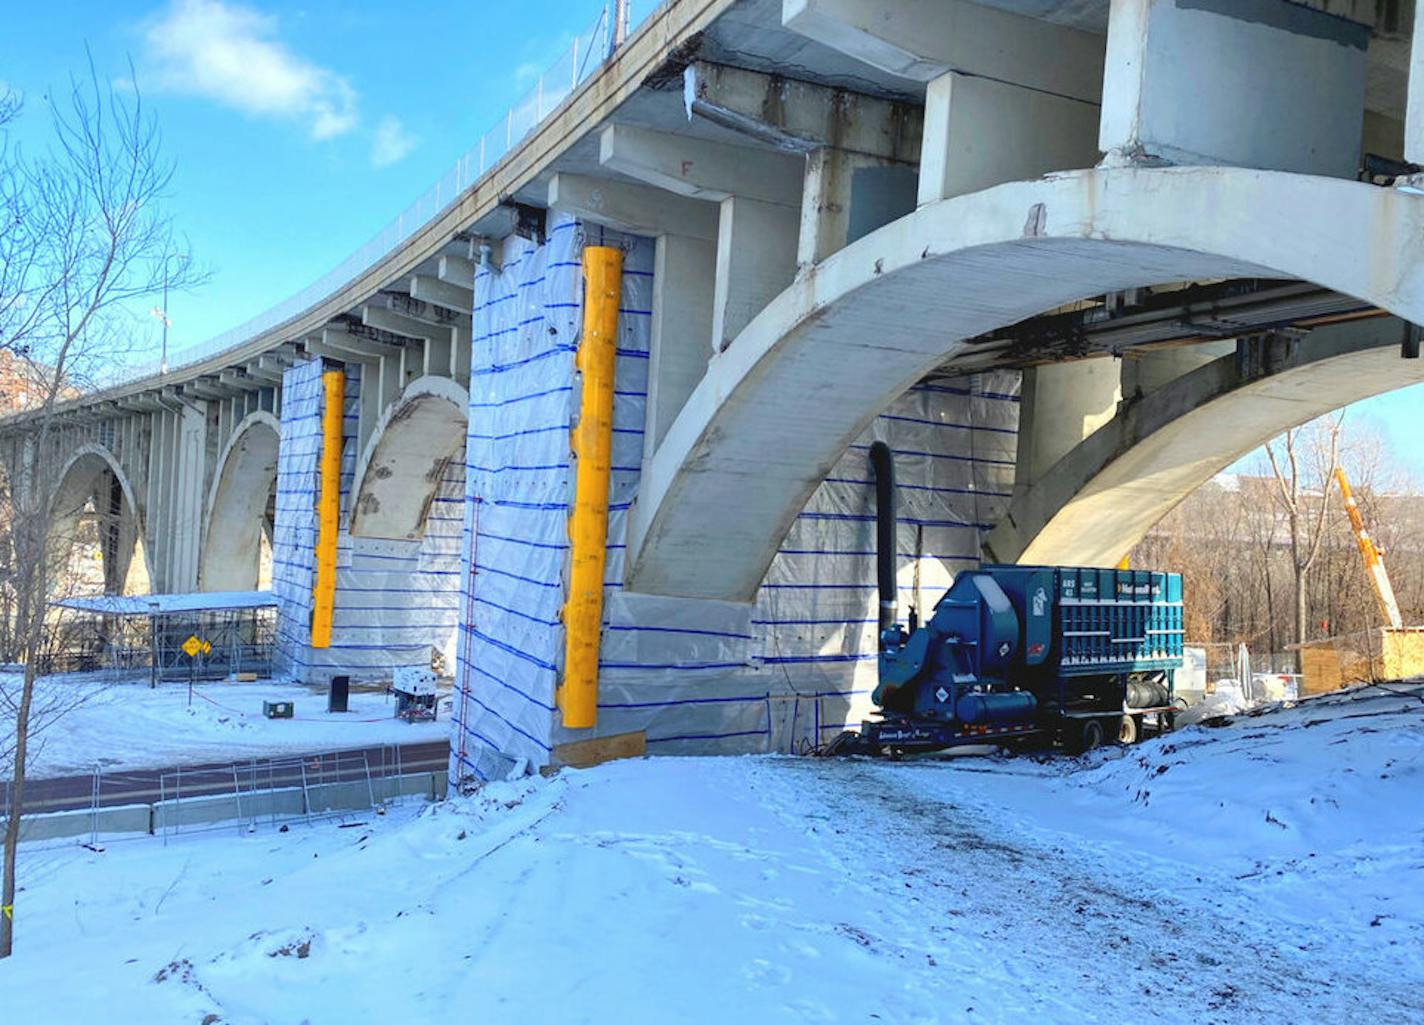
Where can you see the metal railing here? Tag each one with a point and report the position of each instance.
(583, 56)
(240, 795)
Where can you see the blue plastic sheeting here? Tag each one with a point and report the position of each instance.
(396, 602)
(791, 670)
(518, 486)
(294, 524)
(781, 674)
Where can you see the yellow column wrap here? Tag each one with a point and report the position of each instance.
(588, 524)
(328, 507)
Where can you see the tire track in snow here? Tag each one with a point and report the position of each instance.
(1019, 922)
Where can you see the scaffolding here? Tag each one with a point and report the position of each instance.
(203, 636)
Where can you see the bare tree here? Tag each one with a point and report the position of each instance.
(1306, 463)
(84, 239)
(1232, 541)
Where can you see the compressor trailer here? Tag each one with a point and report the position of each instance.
(1018, 653)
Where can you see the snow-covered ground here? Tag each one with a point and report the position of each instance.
(1270, 871)
(130, 726)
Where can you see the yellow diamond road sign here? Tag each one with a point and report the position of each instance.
(192, 646)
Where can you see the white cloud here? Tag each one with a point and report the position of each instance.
(231, 54)
(391, 142)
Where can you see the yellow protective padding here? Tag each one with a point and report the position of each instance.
(592, 444)
(328, 506)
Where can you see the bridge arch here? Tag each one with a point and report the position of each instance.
(400, 472)
(807, 375)
(1100, 499)
(239, 510)
(92, 478)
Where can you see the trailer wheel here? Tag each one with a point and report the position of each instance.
(1129, 729)
(1090, 735)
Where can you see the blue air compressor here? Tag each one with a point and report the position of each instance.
(1078, 656)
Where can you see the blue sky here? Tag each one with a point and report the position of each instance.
(299, 130)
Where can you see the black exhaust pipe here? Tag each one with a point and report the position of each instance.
(882, 461)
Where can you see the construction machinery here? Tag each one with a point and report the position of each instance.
(1374, 560)
(1077, 656)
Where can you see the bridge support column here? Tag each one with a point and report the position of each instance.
(848, 195)
(683, 270)
(1264, 83)
(1414, 108)
(1060, 405)
(756, 260)
(176, 494)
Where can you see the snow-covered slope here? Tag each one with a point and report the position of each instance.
(1271, 871)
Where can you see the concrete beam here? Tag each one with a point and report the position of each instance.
(403, 323)
(277, 362)
(636, 209)
(1254, 83)
(239, 380)
(147, 402)
(357, 346)
(922, 41)
(284, 354)
(388, 371)
(203, 389)
(980, 132)
(456, 270)
(497, 223)
(264, 373)
(317, 348)
(801, 116)
(442, 293)
(760, 196)
(700, 169)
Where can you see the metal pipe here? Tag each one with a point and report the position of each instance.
(592, 445)
(882, 462)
